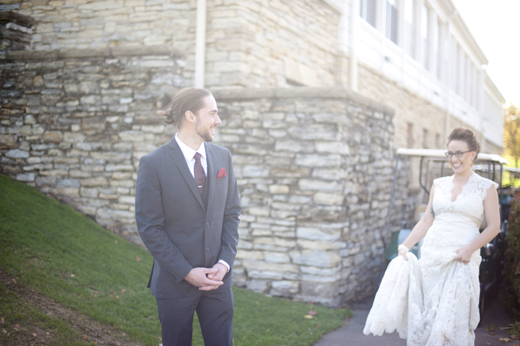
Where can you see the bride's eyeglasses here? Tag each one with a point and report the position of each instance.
(457, 154)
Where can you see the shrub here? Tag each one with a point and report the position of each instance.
(512, 263)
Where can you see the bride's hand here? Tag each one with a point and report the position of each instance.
(403, 252)
(463, 255)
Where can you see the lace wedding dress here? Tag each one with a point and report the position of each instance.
(434, 301)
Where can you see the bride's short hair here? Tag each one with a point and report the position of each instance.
(460, 134)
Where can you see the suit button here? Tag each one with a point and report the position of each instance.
(207, 225)
(207, 250)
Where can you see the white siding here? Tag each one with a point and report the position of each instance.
(435, 57)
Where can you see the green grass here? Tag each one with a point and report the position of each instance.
(62, 254)
(511, 182)
(20, 320)
(506, 178)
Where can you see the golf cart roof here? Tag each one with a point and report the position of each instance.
(440, 153)
(512, 169)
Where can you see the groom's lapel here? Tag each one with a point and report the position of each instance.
(179, 160)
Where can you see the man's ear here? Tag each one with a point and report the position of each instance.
(189, 116)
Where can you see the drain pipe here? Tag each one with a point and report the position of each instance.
(354, 25)
(200, 45)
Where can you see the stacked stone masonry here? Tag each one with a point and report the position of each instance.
(274, 43)
(314, 168)
(252, 43)
(76, 127)
(249, 43)
(314, 165)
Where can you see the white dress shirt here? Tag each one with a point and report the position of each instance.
(189, 154)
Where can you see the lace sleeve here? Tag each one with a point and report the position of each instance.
(491, 183)
(484, 185)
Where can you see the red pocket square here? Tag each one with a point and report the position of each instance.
(221, 173)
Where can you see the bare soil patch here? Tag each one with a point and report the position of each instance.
(28, 334)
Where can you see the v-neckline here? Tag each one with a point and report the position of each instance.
(461, 189)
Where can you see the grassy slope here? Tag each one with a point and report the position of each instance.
(22, 319)
(64, 255)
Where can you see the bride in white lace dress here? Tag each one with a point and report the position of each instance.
(434, 301)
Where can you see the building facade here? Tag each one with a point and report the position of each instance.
(315, 97)
(416, 56)
(424, 48)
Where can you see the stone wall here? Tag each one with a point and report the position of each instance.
(74, 123)
(314, 164)
(108, 23)
(254, 43)
(103, 24)
(271, 43)
(314, 167)
(81, 80)
(249, 44)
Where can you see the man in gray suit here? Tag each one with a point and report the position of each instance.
(186, 208)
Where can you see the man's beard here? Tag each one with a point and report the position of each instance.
(204, 133)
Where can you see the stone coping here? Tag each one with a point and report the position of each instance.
(17, 18)
(107, 52)
(302, 92)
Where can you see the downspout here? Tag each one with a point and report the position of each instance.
(200, 45)
(354, 24)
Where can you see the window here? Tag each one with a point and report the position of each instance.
(425, 138)
(408, 11)
(435, 42)
(409, 27)
(469, 81)
(476, 86)
(425, 34)
(367, 11)
(391, 20)
(409, 143)
(459, 72)
(439, 48)
(462, 72)
(437, 141)
(454, 66)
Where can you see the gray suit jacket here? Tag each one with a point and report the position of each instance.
(174, 224)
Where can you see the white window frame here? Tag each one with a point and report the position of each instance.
(364, 11)
(392, 20)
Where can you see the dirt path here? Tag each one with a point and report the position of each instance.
(92, 331)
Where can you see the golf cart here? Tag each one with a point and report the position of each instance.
(433, 164)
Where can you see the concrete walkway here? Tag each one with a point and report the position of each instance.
(352, 332)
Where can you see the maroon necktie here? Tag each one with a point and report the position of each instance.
(200, 177)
